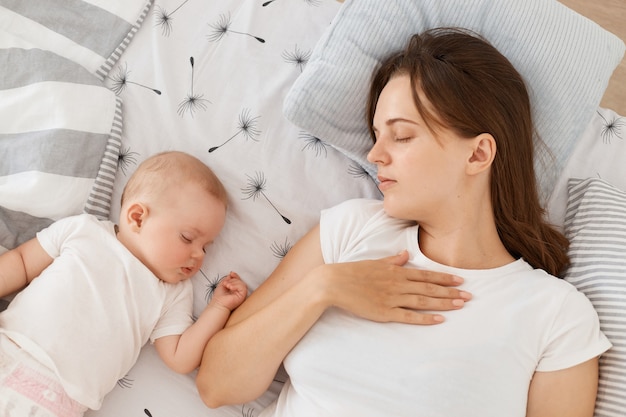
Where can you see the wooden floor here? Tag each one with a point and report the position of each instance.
(611, 15)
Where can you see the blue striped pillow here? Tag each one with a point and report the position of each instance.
(595, 224)
(565, 59)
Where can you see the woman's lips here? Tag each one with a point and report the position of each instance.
(384, 183)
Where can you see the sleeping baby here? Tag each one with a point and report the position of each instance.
(95, 292)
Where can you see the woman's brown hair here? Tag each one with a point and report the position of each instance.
(474, 89)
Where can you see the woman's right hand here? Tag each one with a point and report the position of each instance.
(384, 290)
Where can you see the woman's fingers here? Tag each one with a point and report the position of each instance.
(399, 280)
(433, 277)
(441, 290)
(385, 290)
(423, 303)
(401, 315)
(423, 276)
(399, 259)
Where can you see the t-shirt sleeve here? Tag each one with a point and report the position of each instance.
(575, 337)
(53, 237)
(177, 312)
(341, 225)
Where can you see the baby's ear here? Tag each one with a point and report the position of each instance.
(484, 151)
(135, 215)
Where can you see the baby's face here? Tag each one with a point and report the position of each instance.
(173, 238)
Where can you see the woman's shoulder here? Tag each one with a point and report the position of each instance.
(352, 212)
(360, 217)
(358, 205)
(542, 280)
(362, 202)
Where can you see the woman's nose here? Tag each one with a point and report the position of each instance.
(376, 154)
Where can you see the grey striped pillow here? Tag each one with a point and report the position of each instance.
(60, 126)
(91, 33)
(595, 224)
(60, 136)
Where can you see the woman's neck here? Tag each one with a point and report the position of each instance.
(466, 244)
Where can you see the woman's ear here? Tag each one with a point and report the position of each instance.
(483, 153)
(135, 215)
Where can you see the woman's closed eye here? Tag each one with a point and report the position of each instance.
(403, 139)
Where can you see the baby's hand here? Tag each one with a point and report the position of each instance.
(230, 292)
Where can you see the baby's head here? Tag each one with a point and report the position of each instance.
(169, 170)
(173, 206)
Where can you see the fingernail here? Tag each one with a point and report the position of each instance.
(465, 295)
(458, 303)
(457, 279)
(439, 319)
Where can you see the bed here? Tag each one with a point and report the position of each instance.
(269, 93)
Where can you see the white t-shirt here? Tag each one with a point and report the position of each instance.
(478, 363)
(90, 312)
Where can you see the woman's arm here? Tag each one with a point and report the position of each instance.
(570, 392)
(240, 361)
(19, 266)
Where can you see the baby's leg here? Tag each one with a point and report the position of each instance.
(29, 389)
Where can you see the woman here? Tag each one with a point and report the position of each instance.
(452, 130)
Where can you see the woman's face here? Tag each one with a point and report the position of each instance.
(421, 175)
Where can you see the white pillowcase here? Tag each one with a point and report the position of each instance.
(599, 153)
(565, 58)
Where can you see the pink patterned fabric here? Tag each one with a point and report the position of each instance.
(28, 388)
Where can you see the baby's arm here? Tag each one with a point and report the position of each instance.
(183, 353)
(19, 266)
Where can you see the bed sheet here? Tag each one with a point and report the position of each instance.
(152, 390)
(599, 153)
(210, 79)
